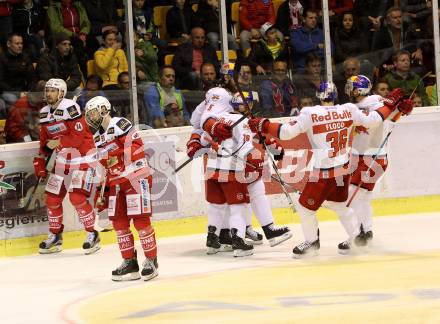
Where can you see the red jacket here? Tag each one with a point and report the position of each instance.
(6, 8)
(338, 6)
(254, 13)
(15, 126)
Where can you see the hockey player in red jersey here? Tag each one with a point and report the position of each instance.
(64, 133)
(129, 179)
(329, 128)
(367, 151)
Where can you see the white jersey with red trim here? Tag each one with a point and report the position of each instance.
(121, 140)
(367, 142)
(239, 144)
(329, 129)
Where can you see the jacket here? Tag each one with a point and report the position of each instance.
(19, 114)
(349, 44)
(100, 13)
(28, 21)
(6, 8)
(174, 22)
(277, 98)
(16, 72)
(408, 85)
(147, 63)
(261, 55)
(56, 19)
(303, 42)
(109, 65)
(52, 65)
(254, 13)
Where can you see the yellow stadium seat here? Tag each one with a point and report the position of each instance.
(235, 18)
(169, 59)
(159, 17)
(90, 67)
(276, 5)
(231, 54)
(195, 7)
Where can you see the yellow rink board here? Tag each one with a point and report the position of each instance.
(194, 225)
(403, 288)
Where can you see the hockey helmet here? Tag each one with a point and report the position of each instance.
(359, 82)
(327, 91)
(59, 84)
(96, 109)
(237, 100)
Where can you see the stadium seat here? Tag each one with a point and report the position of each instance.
(159, 16)
(90, 67)
(169, 59)
(231, 54)
(235, 18)
(276, 5)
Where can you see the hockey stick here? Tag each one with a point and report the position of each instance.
(100, 201)
(262, 141)
(418, 83)
(180, 167)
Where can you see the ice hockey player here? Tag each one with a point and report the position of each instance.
(329, 128)
(219, 109)
(129, 179)
(366, 146)
(64, 133)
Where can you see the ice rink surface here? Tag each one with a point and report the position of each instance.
(396, 280)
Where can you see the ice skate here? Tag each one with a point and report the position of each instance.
(306, 249)
(149, 269)
(239, 246)
(345, 247)
(276, 234)
(225, 240)
(53, 244)
(128, 270)
(212, 241)
(252, 236)
(91, 244)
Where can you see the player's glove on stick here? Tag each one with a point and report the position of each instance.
(275, 148)
(40, 167)
(259, 125)
(405, 106)
(394, 97)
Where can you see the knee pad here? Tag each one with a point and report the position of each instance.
(142, 223)
(53, 202)
(121, 224)
(77, 199)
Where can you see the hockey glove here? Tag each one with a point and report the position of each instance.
(40, 167)
(259, 125)
(405, 106)
(221, 131)
(192, 147)
(274, 147)
(393, 98)
(254, 165)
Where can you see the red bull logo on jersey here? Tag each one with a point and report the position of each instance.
(331, 115)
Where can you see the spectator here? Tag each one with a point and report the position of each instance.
(173, 117)
(208, 80)
(303, 102)
(402, 77)
(381, 88)
(6, 26)
(70, 17)
(146, 63)
(289, 16)
(102, 16)
(119, 95)
(28, 20)
(370, 13)
(307, 83)
(179, 20)
(416, 12)
(394, 36)
(17, 73)
(162, 95)
(23, 120)
(92, 89)
(143, 24)
(207, 18)
(351, 66)
(61, 63)
(244, 77)
(335, 7)
(307, 39)
(348, 39)
(267, 49)
(417, 100)
(189, 57)
(278, 96)
(253, 14)
(110, 60)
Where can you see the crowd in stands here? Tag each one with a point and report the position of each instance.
(278, 48)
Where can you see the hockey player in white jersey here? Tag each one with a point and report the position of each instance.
(366, 152)
(129, 180)
(328, 128)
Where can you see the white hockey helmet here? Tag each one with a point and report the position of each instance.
(327, 91)
(59, 84)
(237, 100)
(96, 109)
